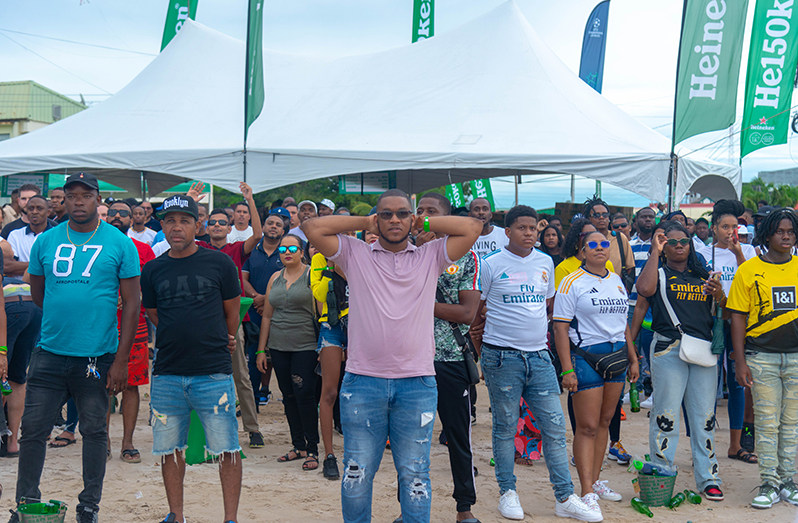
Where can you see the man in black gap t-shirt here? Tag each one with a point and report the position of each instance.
(192, 296)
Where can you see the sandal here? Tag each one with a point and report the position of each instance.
(68, 441)
(311, 462)
(130, 456)
(745, 456)
(288, 457)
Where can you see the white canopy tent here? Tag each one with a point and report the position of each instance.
(487, 99)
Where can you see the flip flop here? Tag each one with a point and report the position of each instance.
(130, 456)
(287, 457)
(60, 438)
(744, 456)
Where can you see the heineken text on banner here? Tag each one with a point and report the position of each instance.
(423, 23)
(176, 14)
(481, 189)
(594, 44)
(771, 72)
(254, 88)
(454, 192)
(709, 66)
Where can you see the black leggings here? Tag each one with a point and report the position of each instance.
(296, 376)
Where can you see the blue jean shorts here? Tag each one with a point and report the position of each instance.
(330, 336)
(213, 397)
(586, 376)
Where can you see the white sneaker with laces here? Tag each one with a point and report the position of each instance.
(647, 403)
(626, 399)
(510, 505)
(574, 507)
(591, 500)
(605, 492)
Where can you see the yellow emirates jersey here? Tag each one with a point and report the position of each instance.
(766, 292)
(569, 265)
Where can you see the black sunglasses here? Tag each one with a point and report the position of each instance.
(681, 241)
(600, 215)
(220, 222)
(387, 215)
(121, 212)
(620, 225)
(291, 248)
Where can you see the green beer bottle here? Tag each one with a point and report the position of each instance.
(641, 507)
(676, 500)
(693, 497)
(634, 397)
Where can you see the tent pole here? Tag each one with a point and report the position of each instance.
(516, 187)
(573, 188)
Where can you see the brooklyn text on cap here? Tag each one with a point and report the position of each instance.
(178, 203)
(89, 180)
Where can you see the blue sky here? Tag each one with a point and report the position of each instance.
(639, 69)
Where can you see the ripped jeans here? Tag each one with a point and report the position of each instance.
(674, 381)
(511, 374)
(372, 410)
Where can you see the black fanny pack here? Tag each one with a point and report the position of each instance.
(608, 366)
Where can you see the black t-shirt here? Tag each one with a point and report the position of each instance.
(204, 238)
(692, 307)
(19, 224)
(153, 224)
(188, 294)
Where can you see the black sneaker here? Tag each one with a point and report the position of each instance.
(256, 440)
(330, 467)
(442, 439)
(170, 518)
(14, 517)
(86, 515)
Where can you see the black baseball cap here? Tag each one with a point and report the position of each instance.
(178, 203)
(89, 180)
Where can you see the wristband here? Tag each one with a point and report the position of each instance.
(260, 352)
(426, 223)
(566, 372)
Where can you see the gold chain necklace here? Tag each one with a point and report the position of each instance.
(90, 237)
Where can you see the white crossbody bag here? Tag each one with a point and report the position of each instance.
(691, 350)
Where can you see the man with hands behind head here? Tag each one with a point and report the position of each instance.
(389, 388)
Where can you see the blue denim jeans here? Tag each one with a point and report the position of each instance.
(676, 381)
(775, 394)
(22, 334)
(52, 379)
(373, 409)
(736, 404)
(511, 375)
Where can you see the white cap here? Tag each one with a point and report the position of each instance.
(328, 203)
(303, 202)
(742, 229)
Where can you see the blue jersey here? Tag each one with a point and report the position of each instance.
(81, 286)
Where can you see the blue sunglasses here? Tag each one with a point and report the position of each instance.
(594, 245)
(291, 248)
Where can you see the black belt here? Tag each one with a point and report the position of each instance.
(496, 347)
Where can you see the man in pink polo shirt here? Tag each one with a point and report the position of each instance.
(389, 388)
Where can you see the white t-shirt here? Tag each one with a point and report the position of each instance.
(600, 306)
(516, 290)
(298, 232)
(726, 262)
(160, 248)
(145, 236)
(494, 240)
(21, 241)
(239, 236)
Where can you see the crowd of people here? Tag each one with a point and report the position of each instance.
(374, 324)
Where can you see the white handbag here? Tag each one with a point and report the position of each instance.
(691, 350)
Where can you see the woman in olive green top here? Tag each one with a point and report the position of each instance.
(288, 330)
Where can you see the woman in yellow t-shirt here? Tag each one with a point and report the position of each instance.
(329, 287)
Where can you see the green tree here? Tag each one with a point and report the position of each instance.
(778, 195)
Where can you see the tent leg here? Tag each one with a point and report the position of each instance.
(573, 188)
(672, 172)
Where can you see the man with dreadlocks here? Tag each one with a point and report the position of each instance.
(766, 352)
(598, 212)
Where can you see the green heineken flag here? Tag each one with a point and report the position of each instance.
(253, 101)
(454, 192)
(771, 72)
(481, 189)
(177, 13)
(709, 66)
(423, 15)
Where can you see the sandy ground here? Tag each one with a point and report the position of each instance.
(282, 492)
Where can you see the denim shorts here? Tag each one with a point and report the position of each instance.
(331, 336)
(588, 378)
(172, 398)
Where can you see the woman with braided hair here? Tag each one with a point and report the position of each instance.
(764, 328)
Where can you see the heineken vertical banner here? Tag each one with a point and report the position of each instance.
(253, 101)
(423, 23)
(176, 14)
(454, 193)
(709, 66)
(481, 189)
(771, 72)
(594, 43)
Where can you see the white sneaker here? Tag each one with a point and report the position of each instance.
(605, 492)
(626, 399)
(591, 500)
(510, 505)
(647, 403)
(574, 507)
